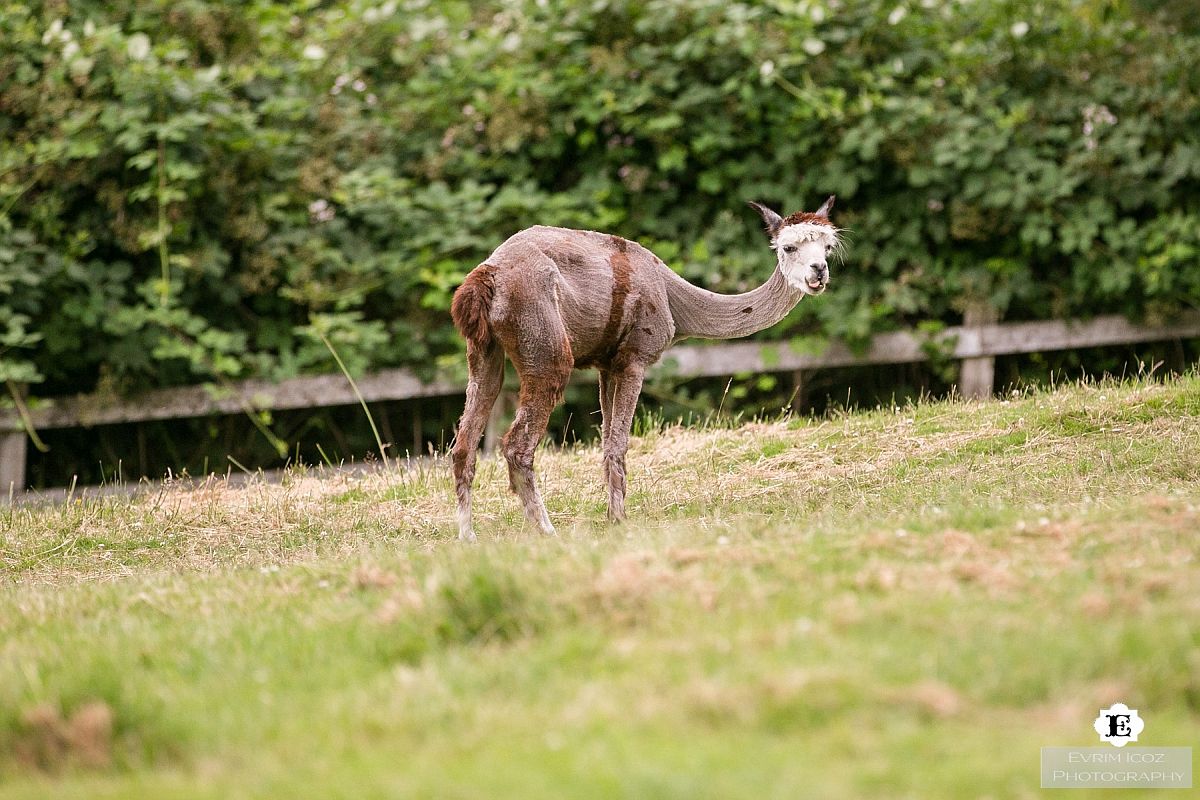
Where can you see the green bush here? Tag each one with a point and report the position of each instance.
(193, 189)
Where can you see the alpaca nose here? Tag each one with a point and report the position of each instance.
(819, 269)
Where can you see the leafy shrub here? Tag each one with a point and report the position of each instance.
(193, 189)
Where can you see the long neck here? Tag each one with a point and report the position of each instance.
(699, 312)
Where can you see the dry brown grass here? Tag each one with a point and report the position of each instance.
(49, 741)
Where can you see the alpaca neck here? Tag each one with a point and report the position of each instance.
(699, 312)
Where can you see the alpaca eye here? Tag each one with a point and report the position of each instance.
(789, 248)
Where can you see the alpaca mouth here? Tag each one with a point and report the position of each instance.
(817, 286)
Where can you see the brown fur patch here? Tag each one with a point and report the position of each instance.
(606, 347)
(471, 304)
(807, 216)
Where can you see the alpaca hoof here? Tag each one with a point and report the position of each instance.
(541, 521)
(467, 536)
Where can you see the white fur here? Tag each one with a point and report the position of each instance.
(813, 244)
(464, 520)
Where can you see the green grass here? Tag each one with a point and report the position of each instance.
(903, 603)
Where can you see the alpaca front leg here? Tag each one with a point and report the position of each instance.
(626, 386)
(607, 385)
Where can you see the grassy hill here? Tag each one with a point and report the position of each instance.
(903, 603)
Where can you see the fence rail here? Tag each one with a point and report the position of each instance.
(976, 345)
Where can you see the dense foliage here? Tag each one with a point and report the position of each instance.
(195, 189)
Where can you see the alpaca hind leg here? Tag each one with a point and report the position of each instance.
(627, 386)
(486, 368)
(542, 388)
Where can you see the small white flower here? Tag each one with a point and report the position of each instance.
(89, 28)
(80, 67)
(372, 99)
(898, 13)
(320, 211)
(1093, 117)
(359, 85)
(817, 13)
(814, 47)
(766, 69)
(1020, 28)
(138, 46)
(70, 50)
(52, 32)
(314, 52)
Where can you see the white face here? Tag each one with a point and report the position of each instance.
(803, 250)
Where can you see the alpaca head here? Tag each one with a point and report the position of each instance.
(803, 242)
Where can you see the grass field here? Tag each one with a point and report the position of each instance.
(903, 603)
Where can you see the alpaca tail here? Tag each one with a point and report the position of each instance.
(471, 305)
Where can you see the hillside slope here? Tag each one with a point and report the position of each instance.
(904, 603)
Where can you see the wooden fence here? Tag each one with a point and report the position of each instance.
(976, 345)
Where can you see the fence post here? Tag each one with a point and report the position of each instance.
(799, 398)
(12, 461)
(977, 376)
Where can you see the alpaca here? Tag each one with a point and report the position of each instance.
(555, 299)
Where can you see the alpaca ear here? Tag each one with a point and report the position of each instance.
(826, 207)
(773, 221)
